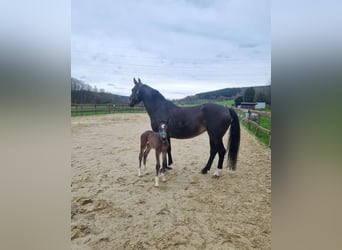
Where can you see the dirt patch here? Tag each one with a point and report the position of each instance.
(113, 208)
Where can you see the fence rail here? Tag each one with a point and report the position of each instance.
(257, 126)
(86, 109)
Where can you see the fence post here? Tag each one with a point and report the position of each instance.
(269, 142)
(249, 118)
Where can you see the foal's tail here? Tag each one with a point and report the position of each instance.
(233, 141)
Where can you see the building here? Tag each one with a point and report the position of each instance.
(247, 105)
(260, 105)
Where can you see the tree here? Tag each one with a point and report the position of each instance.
(261, 97)
(238, 101)
(249, 94)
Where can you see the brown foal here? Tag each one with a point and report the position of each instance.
(157, 141)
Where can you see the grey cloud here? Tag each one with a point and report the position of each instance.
(204, 41)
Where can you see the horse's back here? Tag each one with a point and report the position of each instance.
(211, 110)
(217, 119)
(151, 138)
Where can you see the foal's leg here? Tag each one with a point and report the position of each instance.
(146, 152)
(157, 168)
(142, 147)
(140, 157)
(213, 151)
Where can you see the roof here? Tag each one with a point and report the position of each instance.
(248, 103)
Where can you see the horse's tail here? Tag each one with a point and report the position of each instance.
(233, 141)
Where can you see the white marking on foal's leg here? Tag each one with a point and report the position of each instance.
(156, 181)
(139, 172)
(217, 172)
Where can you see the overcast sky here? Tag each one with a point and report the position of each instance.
(180, 47)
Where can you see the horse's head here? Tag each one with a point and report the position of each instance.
(163, 130)
(135, 97)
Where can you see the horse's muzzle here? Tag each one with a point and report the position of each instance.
(130, 103)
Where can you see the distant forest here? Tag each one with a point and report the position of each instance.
(82, 93)
(261, 94)
(216, 95)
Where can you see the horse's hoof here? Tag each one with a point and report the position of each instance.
(169, 167)
(217, 173)
(204, 171)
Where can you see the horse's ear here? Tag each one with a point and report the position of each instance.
(135, 81)
(139, 81)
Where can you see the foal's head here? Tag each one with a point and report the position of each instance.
(163, 130)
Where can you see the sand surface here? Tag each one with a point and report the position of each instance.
(113, 208)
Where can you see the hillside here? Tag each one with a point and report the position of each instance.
(82, 93)
(225, 94)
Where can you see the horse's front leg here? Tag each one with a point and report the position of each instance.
(169, 166)
(156, 184)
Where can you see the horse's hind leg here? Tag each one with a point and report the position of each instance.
(169, 166)
(221, 153)
(213, 151)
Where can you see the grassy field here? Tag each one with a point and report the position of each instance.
(229, 103)
(265, 122)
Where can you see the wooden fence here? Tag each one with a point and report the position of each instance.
(257, 126)
(89, 109)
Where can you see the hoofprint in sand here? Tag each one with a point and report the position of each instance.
(113, 208)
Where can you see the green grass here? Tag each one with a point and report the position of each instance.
(229, 103)
(266, 110)
(262, 137)
(265, 122)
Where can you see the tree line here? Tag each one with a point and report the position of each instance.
(250, 95)
(82, 93)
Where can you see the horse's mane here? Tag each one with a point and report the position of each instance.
(155, 95)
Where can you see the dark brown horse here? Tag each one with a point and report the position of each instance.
(157, 141)
(188, 122)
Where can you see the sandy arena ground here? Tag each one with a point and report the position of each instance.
(113, 208)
